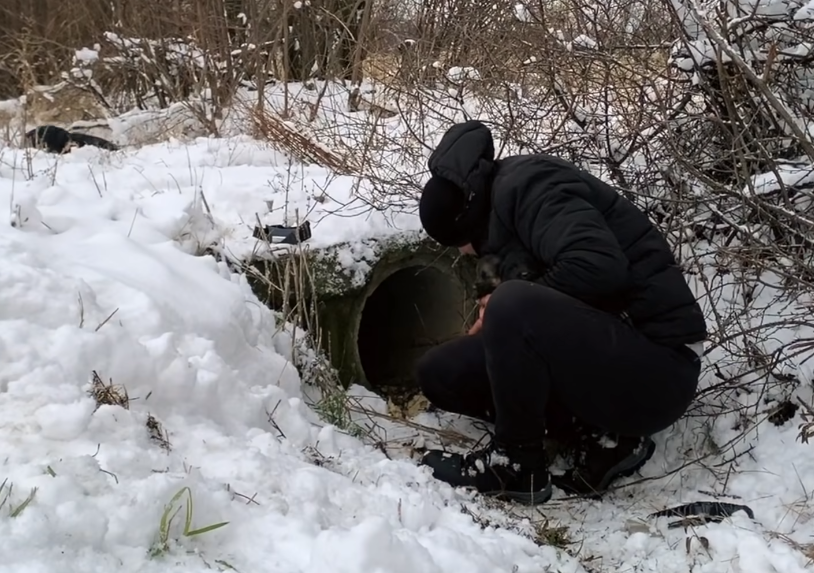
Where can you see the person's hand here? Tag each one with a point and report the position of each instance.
(481, 308)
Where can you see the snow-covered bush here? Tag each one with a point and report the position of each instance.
(125, 72)
(751, 65)
(744, 133)
(715, 154)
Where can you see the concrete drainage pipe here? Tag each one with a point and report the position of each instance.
(415, 296)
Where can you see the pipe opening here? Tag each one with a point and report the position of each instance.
(411, 311)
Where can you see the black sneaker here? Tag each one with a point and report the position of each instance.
(512, 474)
(601, 459)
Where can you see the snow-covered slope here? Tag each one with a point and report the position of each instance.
(101, 273)
(98, 273)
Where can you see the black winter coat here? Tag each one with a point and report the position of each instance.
(558, 225)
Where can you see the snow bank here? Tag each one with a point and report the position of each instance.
(102, 272)
(211, 191)
(99, 274)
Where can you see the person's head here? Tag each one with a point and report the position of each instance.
(455, 203)
(441, 205)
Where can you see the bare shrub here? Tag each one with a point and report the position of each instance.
(708, 137)
(231, 40)
(703, 122)
(740, 159)
(36, 39)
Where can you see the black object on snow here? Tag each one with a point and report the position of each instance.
(702, 512)
(280, 234)
(55, 139)
(83, 139)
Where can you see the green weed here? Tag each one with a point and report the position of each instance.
(6, 489)
(334, 409)
(170, 511)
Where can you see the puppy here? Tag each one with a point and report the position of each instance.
(491, 270)
(487, 275)
(82, 139)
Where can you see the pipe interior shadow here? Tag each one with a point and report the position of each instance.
(411, 311)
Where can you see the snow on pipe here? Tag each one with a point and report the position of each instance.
(413, 296)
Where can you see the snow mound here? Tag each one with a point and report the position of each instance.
(98, 275)
(209, 192)
(108, 285)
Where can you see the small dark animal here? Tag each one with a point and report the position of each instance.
(54, 139)
(49, 137)
(491, 270)
(487, 275)
(83, 139)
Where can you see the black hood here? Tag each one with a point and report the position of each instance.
(465, 157)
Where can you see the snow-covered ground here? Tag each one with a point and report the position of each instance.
(102, 272)
(112, 285)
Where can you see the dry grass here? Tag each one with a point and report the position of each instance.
(807, 549)
(157, 433)
(406, 404)
(108, 394)
(541, 531)
(294, 139)
(382, 67)
(807, 426)
(39, 40)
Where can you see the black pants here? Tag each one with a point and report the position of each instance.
(542, 357)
